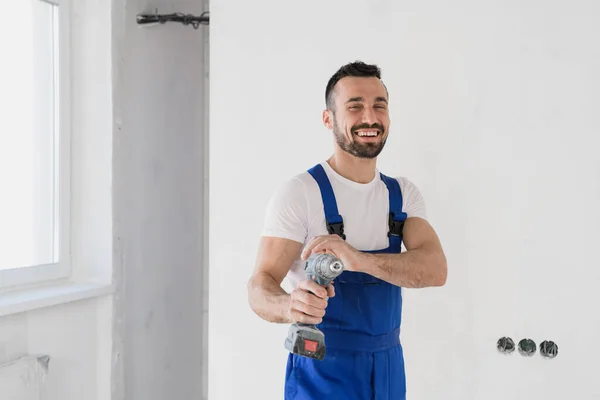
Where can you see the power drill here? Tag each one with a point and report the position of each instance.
(304, 339)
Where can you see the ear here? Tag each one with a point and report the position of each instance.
(327, 119)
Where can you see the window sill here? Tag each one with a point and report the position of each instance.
(51, 295)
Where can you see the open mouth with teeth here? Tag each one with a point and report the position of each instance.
(367, 133)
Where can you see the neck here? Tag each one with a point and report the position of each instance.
(360, 170)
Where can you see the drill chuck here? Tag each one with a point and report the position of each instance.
(323, 268)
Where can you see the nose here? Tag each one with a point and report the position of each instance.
(369, 116)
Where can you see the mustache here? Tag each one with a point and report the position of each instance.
(377, 126)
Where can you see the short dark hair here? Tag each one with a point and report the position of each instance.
(356, 68)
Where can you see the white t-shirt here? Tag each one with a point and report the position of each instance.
(296, 212)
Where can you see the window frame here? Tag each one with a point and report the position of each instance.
(19, 277)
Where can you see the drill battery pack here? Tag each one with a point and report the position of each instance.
(306, 340)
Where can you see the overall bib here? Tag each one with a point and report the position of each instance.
(364, 358)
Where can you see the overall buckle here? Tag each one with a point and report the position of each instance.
(336, 228)
(396, 227)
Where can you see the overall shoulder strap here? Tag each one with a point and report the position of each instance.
(335, 222)
(396, 217)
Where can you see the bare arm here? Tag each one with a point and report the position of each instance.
(305, 304)
(422, 265)
(265, 295)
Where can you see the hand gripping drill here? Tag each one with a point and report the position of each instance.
(305, 339)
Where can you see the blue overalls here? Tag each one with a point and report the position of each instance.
(364, 358)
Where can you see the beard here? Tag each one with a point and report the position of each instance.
(360, 150)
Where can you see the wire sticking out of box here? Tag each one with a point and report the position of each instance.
(185, 19)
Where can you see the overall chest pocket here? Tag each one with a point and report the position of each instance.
(364, 303)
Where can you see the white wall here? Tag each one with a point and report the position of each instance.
(76, 337)
(494, 117)
(159, 203)
(24, 378)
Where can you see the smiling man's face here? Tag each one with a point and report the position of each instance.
(360, 120)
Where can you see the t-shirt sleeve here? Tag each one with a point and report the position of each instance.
(413, 203)
(286, 213)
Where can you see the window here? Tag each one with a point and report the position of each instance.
(34, 144)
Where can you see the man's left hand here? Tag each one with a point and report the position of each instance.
(352, 259)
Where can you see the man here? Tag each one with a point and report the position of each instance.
(346, 207)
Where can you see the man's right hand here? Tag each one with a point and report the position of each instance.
(308, 302)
